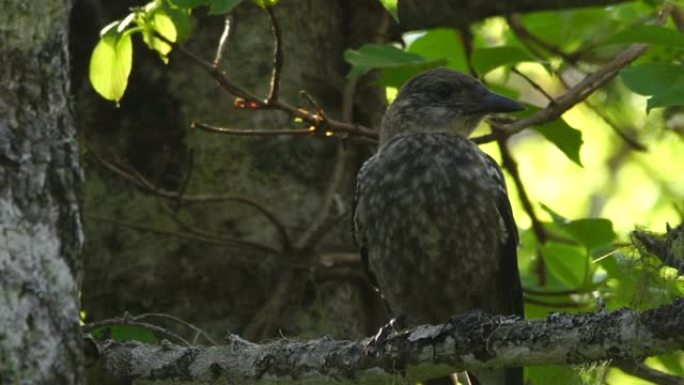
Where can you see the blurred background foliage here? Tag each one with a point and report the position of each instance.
(610, 164)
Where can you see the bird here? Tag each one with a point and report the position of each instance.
(431, 211)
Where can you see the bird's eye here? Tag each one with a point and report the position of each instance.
(443, 91)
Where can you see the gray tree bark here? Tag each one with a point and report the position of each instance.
(469, 341)
(40, 180)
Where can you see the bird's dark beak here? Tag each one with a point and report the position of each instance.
(493, 102)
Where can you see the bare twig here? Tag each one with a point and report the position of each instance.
(277, 57)
(534, 84)
(467, 38)
(539, 231)
(252, 132)
(245, 99)
(575, 95)
(183, 235)
(223, 41)
(142, 183)
(178, 320)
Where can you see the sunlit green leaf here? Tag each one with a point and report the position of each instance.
(124, 333)
(162, 24)
(566, 262)
(110, 65)
(592, 232)
(488, 59)
(651, 34)
(566, 138)
(219, 7)
(372, 56)
(391, 7)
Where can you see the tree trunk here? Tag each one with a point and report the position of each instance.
(40, 179)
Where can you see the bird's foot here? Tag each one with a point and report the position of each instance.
(375, 344)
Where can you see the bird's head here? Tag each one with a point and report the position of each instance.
(442, 100)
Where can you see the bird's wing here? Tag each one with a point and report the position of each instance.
(357, 226)
(508, 257)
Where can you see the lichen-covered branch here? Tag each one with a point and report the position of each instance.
(464, 342)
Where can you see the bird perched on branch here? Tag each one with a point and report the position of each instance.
(432, 215)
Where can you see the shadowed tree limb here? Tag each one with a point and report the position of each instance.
(468, 341)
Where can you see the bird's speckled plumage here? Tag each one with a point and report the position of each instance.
(432, 214)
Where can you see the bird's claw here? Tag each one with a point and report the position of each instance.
(375, 344)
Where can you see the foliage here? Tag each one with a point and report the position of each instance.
(577, 264)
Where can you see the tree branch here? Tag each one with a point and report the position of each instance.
(421, 14)
(468, 341)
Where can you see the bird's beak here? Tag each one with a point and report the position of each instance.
(493, 102)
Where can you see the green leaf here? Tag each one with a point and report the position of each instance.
(263, 3)
(488, 59)
(391, 7)
(652, 78)
(651, 34)
(372, 56)
(567, 139)
(566, 262)
(557, 218)
(395, 77)
(593, 233)
(663, 81)
(674, 96)
(181, 20)
(124, 333)
(220, 7)
(190, 3)
(110, 65)
(161, 23)
(440, 44)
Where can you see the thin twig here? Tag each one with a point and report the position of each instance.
(215, 241)
(512, 167)
(277, 57)
(576, 94)
(223, 41)
(145, 185)
(467, 38)
(534, 84)
(245, 99)
(176, 319)
(251, 132)
(537, 227)
(632, 143)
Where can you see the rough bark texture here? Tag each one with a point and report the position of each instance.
(420, 14)
(465, 342)
(40, 179)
